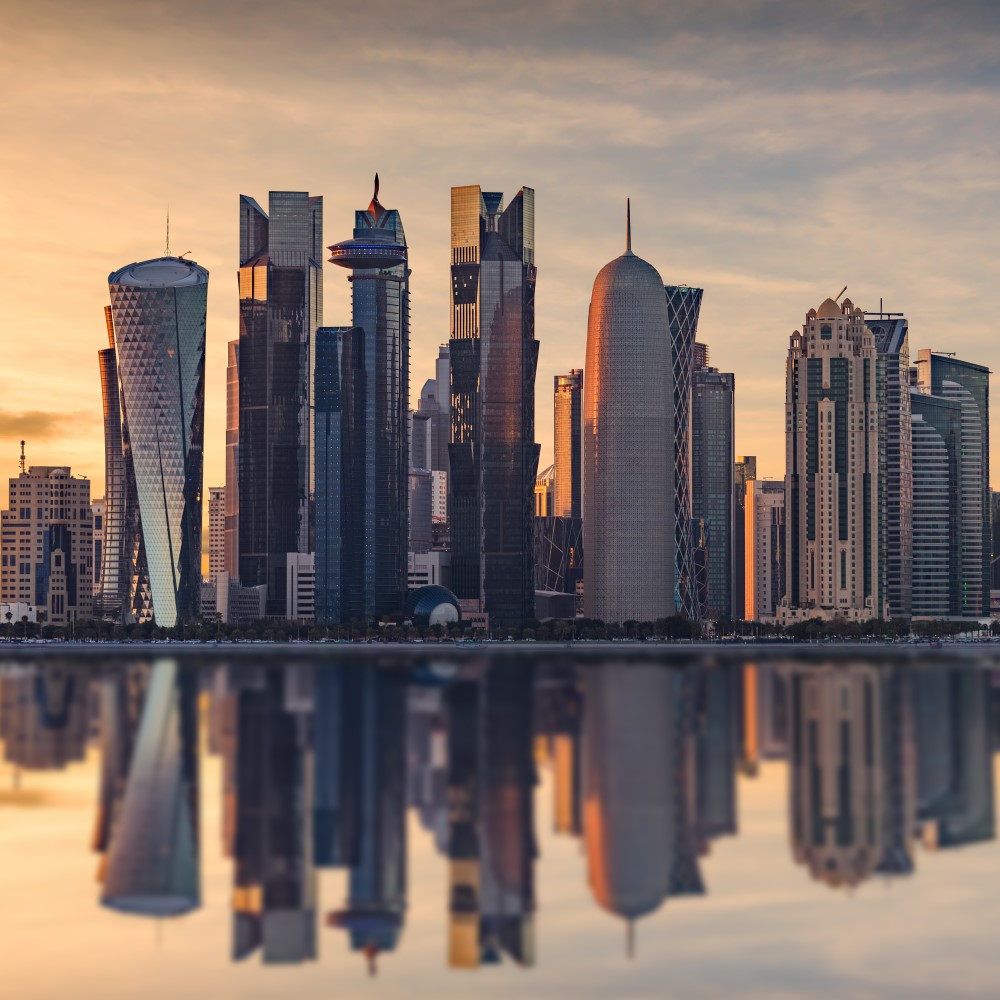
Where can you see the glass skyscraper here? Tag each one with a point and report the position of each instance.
(111, 592)
(712, 467)
(893, 365)
(363, 374)
(494, 354)
(683, 308)
(158, 310)
(969, 384)
(281, 304)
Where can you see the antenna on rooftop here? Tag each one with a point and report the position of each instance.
(166, 252)
(22, 458)
(837, 297)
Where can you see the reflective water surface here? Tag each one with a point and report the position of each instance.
(765, 828)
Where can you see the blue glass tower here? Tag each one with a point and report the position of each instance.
(370, 370)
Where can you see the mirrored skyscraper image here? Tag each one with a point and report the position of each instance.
(281, 305)
(158, 310)
(494, 354)
(628, 445)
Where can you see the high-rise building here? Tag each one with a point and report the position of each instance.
(281, 305)
(995, 538)
(832, 484)
(628, 453)
(764, 534)
(113, 581)
(421, 490)
(339, 471)
(713, 433)
(97, 515)
(158, 311)
(936, 449)
(969, 384)
(232, 512)
(683, 307)
(435, 404)
(493, 354)
(895, 457)
(567, 488)
(744, 471)
(216, 531)
(373, 512)
(47, 544)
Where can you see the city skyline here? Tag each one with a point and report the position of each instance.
(737, 230)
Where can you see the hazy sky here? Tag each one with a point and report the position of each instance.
(774, 152)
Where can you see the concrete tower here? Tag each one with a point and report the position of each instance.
(628, 445)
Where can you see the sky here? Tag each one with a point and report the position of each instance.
(774, 152)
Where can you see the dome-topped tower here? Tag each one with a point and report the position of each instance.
(628, 445)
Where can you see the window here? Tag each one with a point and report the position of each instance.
(826, 332)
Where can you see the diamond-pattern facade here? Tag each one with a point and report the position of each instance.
(159, 318)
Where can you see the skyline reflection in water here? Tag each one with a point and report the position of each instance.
(373, 771)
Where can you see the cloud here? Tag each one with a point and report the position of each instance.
(37, 424)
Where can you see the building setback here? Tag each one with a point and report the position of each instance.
(493, 352)
(281, 305)
(832, 483)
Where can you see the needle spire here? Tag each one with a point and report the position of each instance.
(628, 225)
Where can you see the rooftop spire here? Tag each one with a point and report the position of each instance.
(630, 938)
(376, 209)
(166, 252)
(628, 225)
(376, 186)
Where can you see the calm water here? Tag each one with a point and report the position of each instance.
(499, 827)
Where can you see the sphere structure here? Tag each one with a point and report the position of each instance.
(432, 605)
(628, 436)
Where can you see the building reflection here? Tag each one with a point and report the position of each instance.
(320, 763)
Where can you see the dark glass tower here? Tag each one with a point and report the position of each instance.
(374, 505)
(895, 457)
(281, 304)
(968, 383)
(111, 594)
(712, 466)
(683, 308)
(158, 308)
(494, 354)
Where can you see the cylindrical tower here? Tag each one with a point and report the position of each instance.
(158, 307)
(628, 510)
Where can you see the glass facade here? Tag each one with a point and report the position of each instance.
(712, 466)
(683, 307)
(890, 331)
(567, 489)
(111, 594)
(158, 309)
(281, 304)
(493, 456)
(371, 376)
(558, 554)
(936, 432)
(232, 513)
(969, 384)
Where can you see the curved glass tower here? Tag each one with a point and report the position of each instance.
(158, 308)
(628, 446)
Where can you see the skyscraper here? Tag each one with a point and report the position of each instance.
(158, 309)
(98, 510)
(744, 471)
(628, 452)
(713, 433)
(936, 550)
(568, 403)
(493, 353)
(969, 384)
(232, 512)
(684, 307)
(832, 486)
(281, 305)
(378, 448)
(895, 457)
